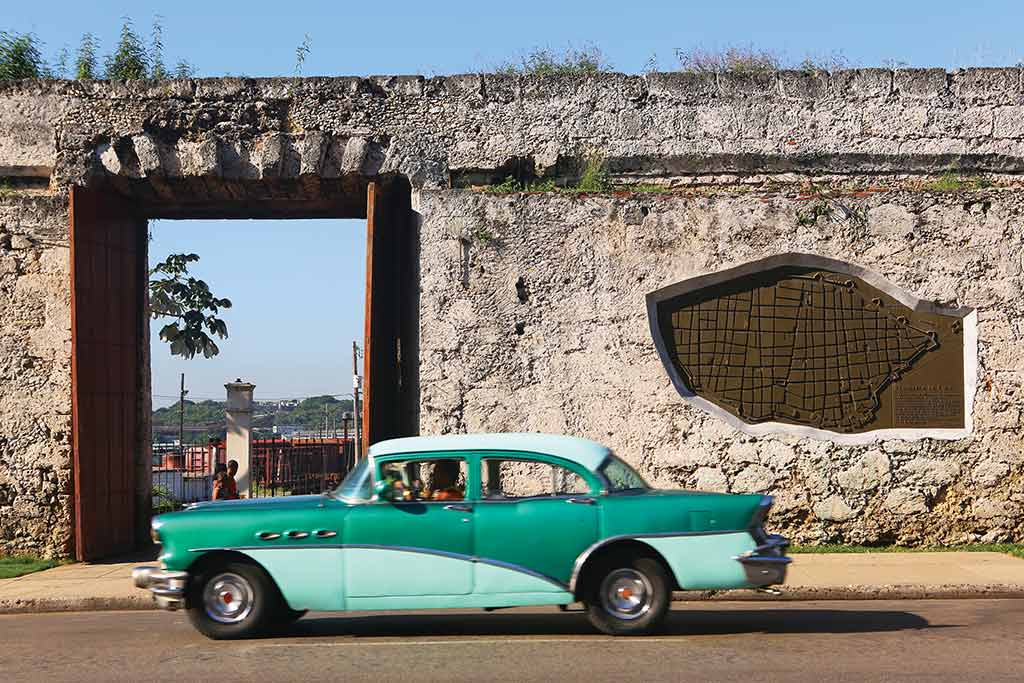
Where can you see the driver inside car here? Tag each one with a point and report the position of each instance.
(445, 481)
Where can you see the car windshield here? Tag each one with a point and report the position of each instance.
(621, 477)
(356, 486)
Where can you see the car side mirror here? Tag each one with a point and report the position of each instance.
(385, 490)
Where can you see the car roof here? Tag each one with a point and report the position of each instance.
(589, 454)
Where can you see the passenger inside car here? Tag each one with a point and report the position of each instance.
(445, 482)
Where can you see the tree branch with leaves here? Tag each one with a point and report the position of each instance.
(176, 294)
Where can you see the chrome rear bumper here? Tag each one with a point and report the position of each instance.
(766, 564)
(168, 588)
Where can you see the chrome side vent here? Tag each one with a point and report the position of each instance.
(298, 534)
(268, 535)
(325, 533)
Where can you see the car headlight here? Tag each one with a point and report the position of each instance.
(155, 535)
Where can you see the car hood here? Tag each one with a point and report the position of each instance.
(253, 504)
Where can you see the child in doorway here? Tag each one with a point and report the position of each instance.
(230, 484)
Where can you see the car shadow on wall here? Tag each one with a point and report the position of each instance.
(682, 621)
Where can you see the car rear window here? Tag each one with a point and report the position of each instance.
(621, 477)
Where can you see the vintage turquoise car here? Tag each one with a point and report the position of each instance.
(476, 520)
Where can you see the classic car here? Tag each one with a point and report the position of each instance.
(475, 520)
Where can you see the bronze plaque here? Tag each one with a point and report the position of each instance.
(814, 347)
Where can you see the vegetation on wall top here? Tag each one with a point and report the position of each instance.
(21, 56)
(544, 61)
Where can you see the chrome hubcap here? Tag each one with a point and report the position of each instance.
(228, 598)
(626, 594)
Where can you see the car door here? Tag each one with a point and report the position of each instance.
(421, 546)
(534, 516)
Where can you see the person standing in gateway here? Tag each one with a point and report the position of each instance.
(224, 485)
(231, 485)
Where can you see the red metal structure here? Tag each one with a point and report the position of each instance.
(107, 278)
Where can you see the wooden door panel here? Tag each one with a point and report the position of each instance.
(108, 276)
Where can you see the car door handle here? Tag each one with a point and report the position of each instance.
(459, 507)
(581, 501)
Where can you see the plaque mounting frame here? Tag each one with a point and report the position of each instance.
(968, 316)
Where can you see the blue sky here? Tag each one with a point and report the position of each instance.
(307, 277)
(296, 289)
(359, 38)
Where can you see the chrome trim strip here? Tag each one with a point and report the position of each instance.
(585, 555)
(404, 549)
(531, 499)
(521, 569)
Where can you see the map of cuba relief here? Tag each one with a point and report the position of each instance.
(815, 348)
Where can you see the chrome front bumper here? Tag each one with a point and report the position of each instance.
(766, 564)
(168, 588)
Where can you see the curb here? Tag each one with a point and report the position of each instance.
(886, 592)
(40, 605)
(789, 594)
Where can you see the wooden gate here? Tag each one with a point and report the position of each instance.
(391, 351)
(107, 276)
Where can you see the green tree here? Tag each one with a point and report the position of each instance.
(60, 65)
(85, 59)
(183, 69)
(175, 294)
(20, 56)
(129, 61)
(156, 51)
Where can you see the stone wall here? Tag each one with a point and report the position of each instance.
(35, 376)
(532, 307)
(533, 318)
(431, 130)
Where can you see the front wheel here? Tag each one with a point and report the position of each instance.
(630, 597)
(233, 600)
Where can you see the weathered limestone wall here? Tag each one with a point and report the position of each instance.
(586, 262)
(656, 125)
(35, 376)
(533, 318)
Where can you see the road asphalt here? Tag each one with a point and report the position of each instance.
(794, 641)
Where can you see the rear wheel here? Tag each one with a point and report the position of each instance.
(232, 600)
(630, 596)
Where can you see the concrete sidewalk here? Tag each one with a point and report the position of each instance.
(854, 576)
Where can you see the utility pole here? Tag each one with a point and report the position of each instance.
(356, 384)
(181, 420)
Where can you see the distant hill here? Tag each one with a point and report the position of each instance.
(205, 419)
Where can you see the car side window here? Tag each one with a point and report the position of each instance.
(512, 478)
(424, 479)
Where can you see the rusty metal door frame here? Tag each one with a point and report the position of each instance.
(390, 351)
(105, 232)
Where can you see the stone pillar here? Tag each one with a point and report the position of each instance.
(239, 420)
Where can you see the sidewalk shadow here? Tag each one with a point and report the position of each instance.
(682, 622)
(146, 554)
